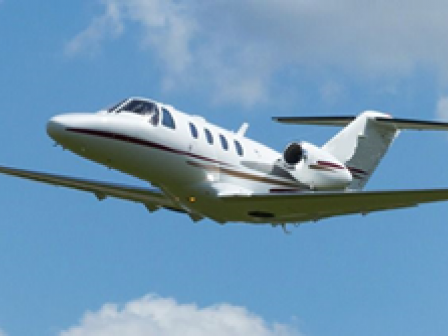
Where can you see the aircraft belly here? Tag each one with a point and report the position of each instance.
(186, 176)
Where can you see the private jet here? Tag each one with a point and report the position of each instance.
(199, 169)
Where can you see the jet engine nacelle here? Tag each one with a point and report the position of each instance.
(315, 167)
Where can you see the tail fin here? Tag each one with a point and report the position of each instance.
(361, 145)
(365, 139)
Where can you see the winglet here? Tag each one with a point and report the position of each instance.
(243, 129)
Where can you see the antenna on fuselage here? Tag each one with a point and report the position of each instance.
(243, 129)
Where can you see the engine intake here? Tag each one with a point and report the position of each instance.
(293, 154)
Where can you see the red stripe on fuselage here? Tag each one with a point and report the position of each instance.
(357, 170)
(151, 144)
(330, 164)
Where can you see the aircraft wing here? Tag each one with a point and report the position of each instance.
(313, 206)
(151, 198)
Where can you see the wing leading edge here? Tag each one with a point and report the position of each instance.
(313, 206)
(151, 198)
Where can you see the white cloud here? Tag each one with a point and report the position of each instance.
(152, 315)
(237, 47)
(169, 32)
(2, 333)
(442, 108)
(89, 40)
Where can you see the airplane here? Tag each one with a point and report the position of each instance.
(196, 168)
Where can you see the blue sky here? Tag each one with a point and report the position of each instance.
(70, 265)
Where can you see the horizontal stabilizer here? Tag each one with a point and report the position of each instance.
(320, 121)
(414, 124)
(398, 123)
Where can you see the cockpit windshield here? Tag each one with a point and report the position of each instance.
(140, 107)
(114, 107)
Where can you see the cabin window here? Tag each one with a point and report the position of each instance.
(167, 119)
(209, 136)
(194, 131)
(239, 148)
(224, 143)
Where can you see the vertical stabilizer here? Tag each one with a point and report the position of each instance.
(361, 145)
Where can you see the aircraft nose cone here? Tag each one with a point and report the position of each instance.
(55, 127)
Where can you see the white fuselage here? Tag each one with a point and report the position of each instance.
(191, 167)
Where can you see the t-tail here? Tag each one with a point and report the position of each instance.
(364, 140)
